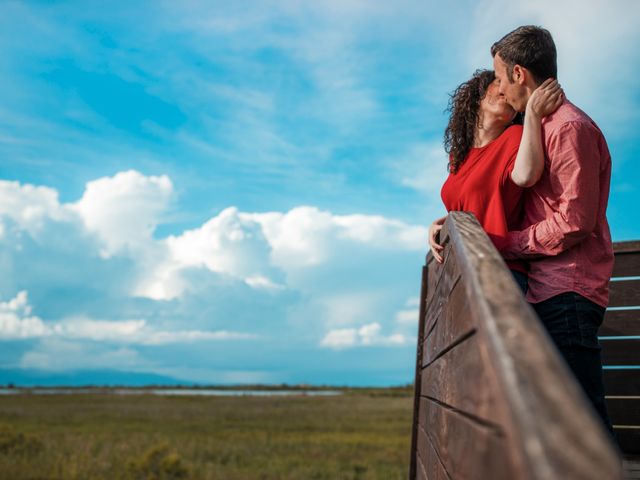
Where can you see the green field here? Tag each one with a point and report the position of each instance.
(363, 434)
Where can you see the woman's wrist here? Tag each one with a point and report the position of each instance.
(531, 113)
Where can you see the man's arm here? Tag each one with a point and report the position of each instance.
(575, 176)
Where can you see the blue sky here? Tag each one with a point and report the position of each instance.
(239, 192)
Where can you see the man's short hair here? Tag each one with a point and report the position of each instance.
(530, 47)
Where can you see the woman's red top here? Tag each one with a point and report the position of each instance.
(483, 186)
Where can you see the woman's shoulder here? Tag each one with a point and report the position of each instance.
(513, 131)
(511, 136)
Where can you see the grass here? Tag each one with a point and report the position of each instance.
(363, 434)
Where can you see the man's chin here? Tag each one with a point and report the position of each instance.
(518, 107)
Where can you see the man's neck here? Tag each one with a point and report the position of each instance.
(530, 86)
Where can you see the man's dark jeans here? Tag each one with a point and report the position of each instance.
(573, 322)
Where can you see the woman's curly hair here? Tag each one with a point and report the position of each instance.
(464, 105)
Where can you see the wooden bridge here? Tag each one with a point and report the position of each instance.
(493, 399)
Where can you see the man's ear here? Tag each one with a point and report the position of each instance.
(520, 74)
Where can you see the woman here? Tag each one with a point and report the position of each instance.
(491, 159)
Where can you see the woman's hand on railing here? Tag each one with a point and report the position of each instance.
(434, 232)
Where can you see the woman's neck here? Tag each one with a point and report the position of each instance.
(488, 129)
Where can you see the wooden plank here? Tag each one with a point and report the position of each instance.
(418, 377)
(432, 279)
(622, 382)
(454, 322)
(620, 352)
(432, 465)
(450, 276)
(624, 293)
(627, 246)
(624, 411)
(620, 323)
(468, 450)
(628, 440)
(631, 468)
(433, 469)
(421, 473)
(462, 379)
(436, 269)
(626, 265)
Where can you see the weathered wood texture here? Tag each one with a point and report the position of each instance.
(495, 400)
(450, 325)
(621, 323)
(629, 436)
(620, 351)
(624, 410)
(624, 293)
(624, 382)
(620, 340)
(466, 448)
(632, 469)
(627, 264)
(463, 379)
(414, 466)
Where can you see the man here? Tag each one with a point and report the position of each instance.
(566, 234)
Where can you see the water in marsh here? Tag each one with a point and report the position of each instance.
(168, 391)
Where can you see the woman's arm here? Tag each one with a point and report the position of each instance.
(529, 164)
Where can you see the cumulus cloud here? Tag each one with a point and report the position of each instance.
(124, 210)
(16, 320)
(306, 268)
(265, 250)
(29, 207)
(306, 236)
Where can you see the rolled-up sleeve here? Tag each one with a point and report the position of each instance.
(574, 170)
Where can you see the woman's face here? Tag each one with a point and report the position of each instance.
(496, 104)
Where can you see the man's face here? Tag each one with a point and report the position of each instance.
(495, 104)
(514, 91)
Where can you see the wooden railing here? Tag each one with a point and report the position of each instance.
(620, 340)
(493, 399)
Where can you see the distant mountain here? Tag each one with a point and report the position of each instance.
(44, 378)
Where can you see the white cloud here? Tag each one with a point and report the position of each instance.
(228, 243)
(409, 314)
(306, 236)
(266, 250)
(16, 320)
(366, 335)
(124, 210)
(340, 338)
(407, 317)
(137, 332)
(29, 206)
(268, 279)
(259, 281)
(59, 354)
